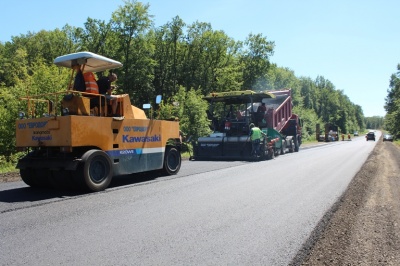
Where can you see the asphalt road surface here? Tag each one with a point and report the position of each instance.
(211, 213)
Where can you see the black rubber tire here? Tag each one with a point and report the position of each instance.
(172, 161)
(42, 178)
(283, 147)
(97, 170)
(264, 152)
(277, 151)
(291, 146)
(27, 175)
(38, 178)
(296, 144)
(61, 180)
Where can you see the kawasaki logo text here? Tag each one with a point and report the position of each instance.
(127, 138)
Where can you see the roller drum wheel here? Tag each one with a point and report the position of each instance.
(97, 170)
(172, 161)
(28, 177)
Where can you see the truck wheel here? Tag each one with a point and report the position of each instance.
(277, 151)
(264, 152)
(172, 161)
(296, 144)
(283, 147)
(291, 148)
(97, 170)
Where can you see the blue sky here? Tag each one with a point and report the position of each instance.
(353, 43)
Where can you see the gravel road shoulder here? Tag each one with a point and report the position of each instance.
(363, 227)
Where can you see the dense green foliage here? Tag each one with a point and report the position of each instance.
(374, 122)
(187, 107)
(181, 62)
(392, 106)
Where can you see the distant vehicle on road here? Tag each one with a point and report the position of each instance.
(355, 133)
(387, 137)
(370, 136)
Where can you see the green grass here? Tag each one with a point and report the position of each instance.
(6, 168)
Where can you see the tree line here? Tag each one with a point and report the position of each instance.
(182, 62)
(392, 105)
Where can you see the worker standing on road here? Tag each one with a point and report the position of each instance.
(256, 135)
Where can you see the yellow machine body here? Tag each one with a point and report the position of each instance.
(66, 139)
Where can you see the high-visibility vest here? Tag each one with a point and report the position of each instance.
(256, 133)
(90, 83)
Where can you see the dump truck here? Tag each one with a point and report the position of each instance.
(231, 113)
(72, 143)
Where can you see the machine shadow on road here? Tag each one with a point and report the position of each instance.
(30, 194)
(136, 178)
(34, 194)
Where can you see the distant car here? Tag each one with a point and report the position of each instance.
(355, 133)
(387, 137)
(370, 136)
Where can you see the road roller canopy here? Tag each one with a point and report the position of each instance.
(235, 97)
(93, 62)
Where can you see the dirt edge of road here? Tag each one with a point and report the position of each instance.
(362, 227)
(10, 177)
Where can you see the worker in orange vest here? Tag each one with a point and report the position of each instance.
(90, 83)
